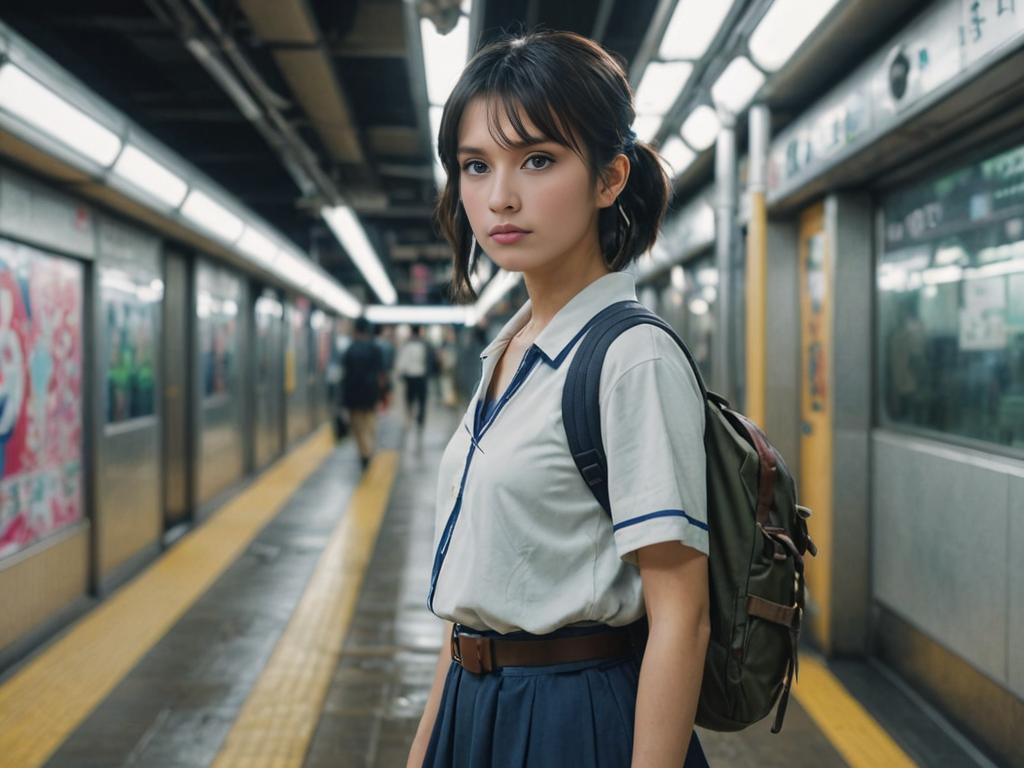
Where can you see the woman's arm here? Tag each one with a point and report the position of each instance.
(418, 750)
(675, 583)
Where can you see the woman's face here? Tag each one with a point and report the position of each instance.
(543, 193)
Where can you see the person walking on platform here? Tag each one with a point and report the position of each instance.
(413, 365)
(547, 600)
(362, 386)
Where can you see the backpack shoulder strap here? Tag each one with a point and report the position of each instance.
(581, 413)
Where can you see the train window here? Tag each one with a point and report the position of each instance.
(217, 307)
(130, 306)
(950, 283)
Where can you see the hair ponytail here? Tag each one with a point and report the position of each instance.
(643, 202)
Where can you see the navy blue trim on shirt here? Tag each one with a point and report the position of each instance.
(661, 513)
(482, 422)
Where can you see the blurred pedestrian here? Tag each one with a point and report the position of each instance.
(413, 365)
(362, 386)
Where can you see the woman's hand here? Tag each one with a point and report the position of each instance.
(675, 584)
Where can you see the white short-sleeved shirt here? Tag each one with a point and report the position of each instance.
(520, 541)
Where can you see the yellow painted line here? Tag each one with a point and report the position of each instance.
(855, 734)
(47, 699)
(277, 722)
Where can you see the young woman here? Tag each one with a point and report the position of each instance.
(544, 596)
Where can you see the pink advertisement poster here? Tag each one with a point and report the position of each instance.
(40, 395)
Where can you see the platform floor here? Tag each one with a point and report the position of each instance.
(290, 629)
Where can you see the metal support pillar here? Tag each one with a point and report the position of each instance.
(725, 229)
(757, 264)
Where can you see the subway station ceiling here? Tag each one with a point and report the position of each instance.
(276, 99)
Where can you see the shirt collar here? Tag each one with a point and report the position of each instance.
(557, 338)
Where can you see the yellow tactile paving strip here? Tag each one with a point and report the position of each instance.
(278, 719)
(48, 698)
(855, 734)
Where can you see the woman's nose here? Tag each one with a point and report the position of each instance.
(504, 196)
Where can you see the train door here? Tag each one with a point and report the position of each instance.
(815, 478)
(268, 378)
(177, 363)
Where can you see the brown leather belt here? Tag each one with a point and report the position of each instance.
(480, 655)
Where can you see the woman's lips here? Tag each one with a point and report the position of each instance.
(508, 238)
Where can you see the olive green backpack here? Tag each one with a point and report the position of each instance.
(758, 535)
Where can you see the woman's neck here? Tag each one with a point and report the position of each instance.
(551, 288)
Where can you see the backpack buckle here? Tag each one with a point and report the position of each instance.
(590, 468)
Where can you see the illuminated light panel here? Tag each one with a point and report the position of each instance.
(677, 155)
(203, 210)
(646, 126)
(737, 84)
(147, 174)
(700, 129)
(444, 56)
(440, 176)
(784, 28)
(501, 284)
(350, 234)
(258, 246)
(660, 85)
(426, 315)
(31, 101)
(693, 26)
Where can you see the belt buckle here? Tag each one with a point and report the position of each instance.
(478, 654)
(456, 652)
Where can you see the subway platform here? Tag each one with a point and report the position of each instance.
(290, 629)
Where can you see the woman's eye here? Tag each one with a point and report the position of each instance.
(474, 167)
(538, 162)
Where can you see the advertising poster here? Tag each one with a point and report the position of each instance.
(40, 395)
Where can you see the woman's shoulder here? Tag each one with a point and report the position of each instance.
(646, 350)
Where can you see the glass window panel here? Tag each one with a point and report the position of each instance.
(950, 284)
(130, 307)
(217, 307)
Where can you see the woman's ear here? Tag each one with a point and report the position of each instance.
(612, 181)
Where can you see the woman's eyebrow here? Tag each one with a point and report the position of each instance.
(525, 144)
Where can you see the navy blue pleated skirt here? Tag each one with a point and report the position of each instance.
(574, 714)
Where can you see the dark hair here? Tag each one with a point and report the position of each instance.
(576, 94)
(414, 328)
(361, 325)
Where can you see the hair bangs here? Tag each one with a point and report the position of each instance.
(521, 103)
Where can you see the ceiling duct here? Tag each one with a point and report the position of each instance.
(306, 66)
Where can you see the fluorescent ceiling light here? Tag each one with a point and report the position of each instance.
(784, 28)
(295, 269)
(693, 26)
(737, 84)
(30, 100)
(427, 315)
(335, 296)
(258, 246)
(444, 56)
(482, 273)
(661, 83)
(502, 283)
(677, 155)
(212, 216)
(440, 177)
(646, 126)
(350, 234)
(150, 176)
(678, 278)
(701, 128)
